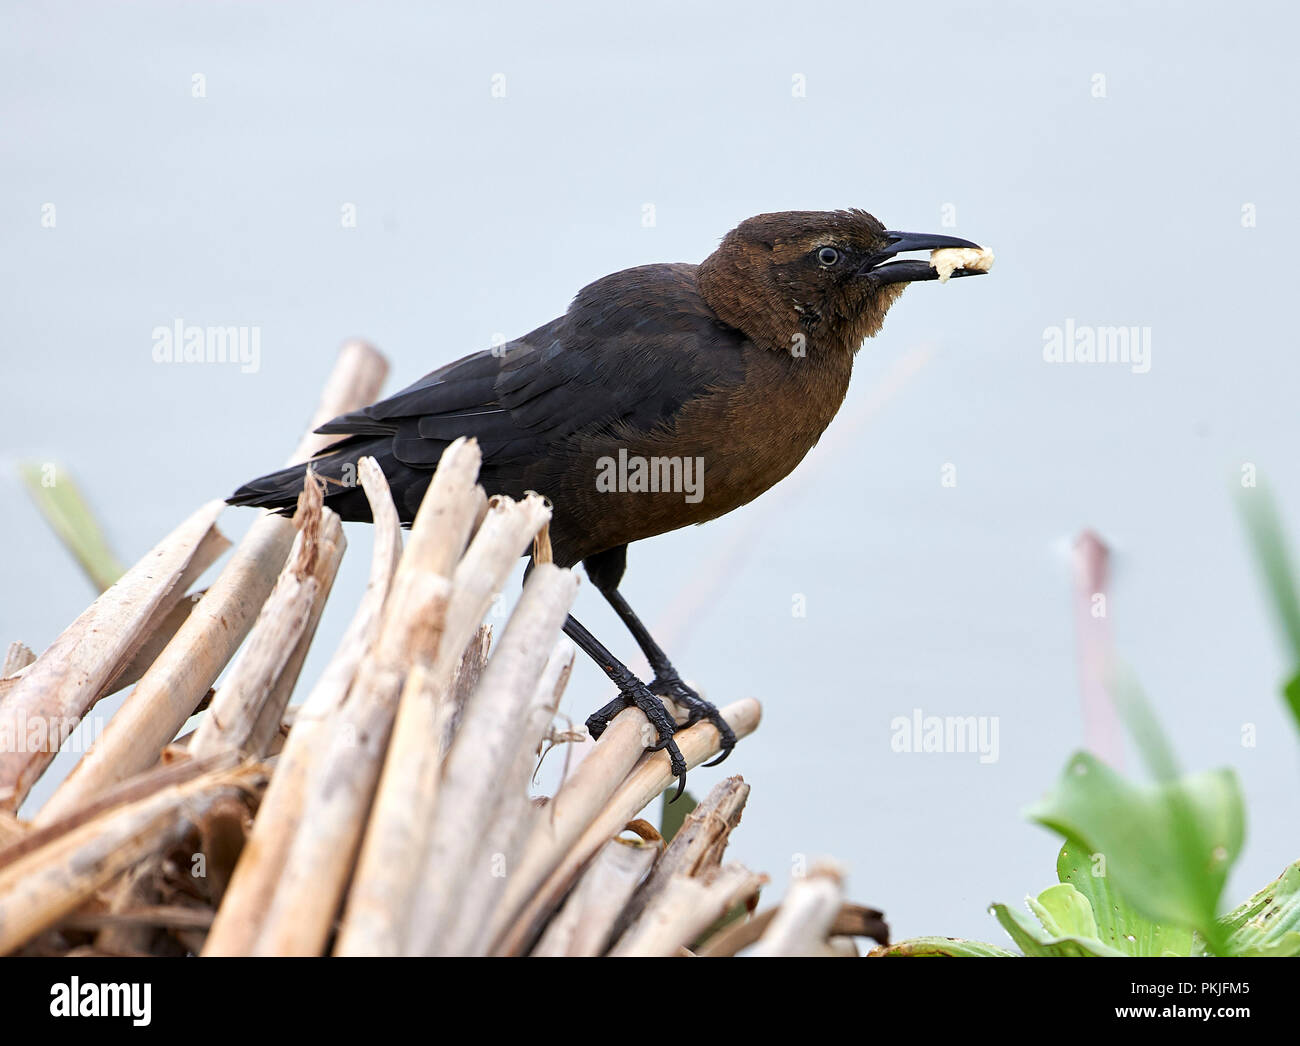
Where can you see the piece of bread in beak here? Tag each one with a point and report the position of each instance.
(948, 260)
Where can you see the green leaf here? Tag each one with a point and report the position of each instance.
(66, 511)
(1269, 544)
(1118, 923)
(1039, 941)
(1064, 912)
(1168, 847)
(673, 814)
(1266, 538)
(1269, 923)
(944, 947)
(1291, 692)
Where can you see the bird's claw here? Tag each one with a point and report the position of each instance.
(697, 709)
(638, 694)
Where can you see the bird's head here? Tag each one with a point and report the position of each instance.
(828, 275)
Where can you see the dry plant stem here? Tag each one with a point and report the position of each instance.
(17, 656)
(803, 922)
(380, 901)
(852, 920)
(154, 645)
(586, 923)
(388, 873)
(698, 844)
(651, 775)
(470, 671)
(572, 809)
(450, 509)
(48, 883)
(319, 723)
(250, 891)
(518, 813)
(267, 730)
(331, 690)
(483, 752)
(685, 908)
(177, 681)
(63, 683)
(135, 890)
(404, 806)
(223, 832)
(11, 830)
(169, 616)
(17, 660)
(389, 861)
(169, 692)
(320, 861)
(737, 936)
(251, 694)
(164, 775)
(375, 920)
(503, 534)
(499, 800)
(143, 917)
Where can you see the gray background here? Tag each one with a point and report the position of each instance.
(481, 215)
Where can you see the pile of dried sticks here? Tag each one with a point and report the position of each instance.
(389, 812)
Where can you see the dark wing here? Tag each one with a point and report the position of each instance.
(630, 351)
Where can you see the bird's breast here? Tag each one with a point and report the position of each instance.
(724, 448)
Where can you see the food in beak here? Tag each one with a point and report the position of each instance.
(948, 260)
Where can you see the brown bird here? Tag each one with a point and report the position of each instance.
(666, 395)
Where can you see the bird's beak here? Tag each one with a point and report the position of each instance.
(909, 270)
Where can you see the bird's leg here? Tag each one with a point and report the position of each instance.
(631, 691)
(666, 681)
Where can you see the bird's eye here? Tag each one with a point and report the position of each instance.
(828, 256)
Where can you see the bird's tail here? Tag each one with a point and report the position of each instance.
(337, 467)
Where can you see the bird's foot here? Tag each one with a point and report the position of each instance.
(672, 687)
(634, 692)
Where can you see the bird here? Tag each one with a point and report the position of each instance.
(666, 395)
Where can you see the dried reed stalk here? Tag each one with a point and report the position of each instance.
(419, 622)
(516, 813)
(252, 696)
(685, 908)
(462, 875)
(61, 685)
(398, 810)
(50, 882)
(803, 923)
(698, 844)
(569, 812)
(586, 924)
(379, 902)
(173, 686)
(250, 892)
(17, 657)
(393, 854)
(853, 920)
(169, 616)
(11, 830)
(651, 776)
